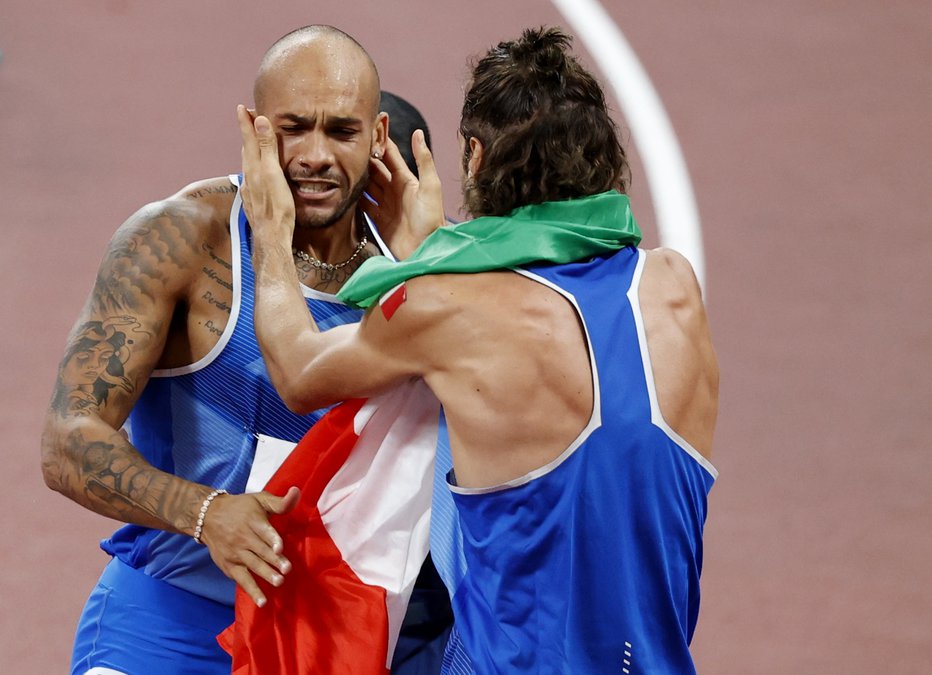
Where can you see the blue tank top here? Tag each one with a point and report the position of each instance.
(206, 422)
(591, 563)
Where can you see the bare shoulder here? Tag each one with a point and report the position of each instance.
(216, 193)
(669, 288)
(685, 367)
(155, 250)
(422, 306)
(671, 275)
(149, 266)
(206, 206)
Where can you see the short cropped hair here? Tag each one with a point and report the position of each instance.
(544, 126)
(302, 36)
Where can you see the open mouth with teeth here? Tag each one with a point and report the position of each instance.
(314, 190)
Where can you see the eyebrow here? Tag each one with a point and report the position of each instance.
(298, 119)
(306, 121)
(343, 121)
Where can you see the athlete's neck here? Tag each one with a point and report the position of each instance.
(334, 243)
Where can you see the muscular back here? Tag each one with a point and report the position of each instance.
(508, 359)
(511, 368)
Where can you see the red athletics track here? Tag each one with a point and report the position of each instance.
(805, 129)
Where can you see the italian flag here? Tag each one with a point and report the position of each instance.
(356, 541)
(359, 535)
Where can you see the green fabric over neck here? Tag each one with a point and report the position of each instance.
(554, 232)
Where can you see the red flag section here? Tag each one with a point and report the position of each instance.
(392, 300)
(356, 540)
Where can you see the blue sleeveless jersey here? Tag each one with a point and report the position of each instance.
(204, 422)
(589, 564)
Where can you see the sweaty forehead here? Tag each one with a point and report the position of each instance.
(329, 76)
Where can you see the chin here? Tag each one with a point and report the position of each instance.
(316, 219)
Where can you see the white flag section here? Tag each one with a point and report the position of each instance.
(356, 539)
(271, 453)
(377, 507)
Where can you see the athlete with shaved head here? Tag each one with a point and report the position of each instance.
(165, 345)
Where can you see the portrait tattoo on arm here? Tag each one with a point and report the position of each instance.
(95, 364)
(134, 275)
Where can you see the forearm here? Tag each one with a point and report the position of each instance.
(288, 336)
(88, 461)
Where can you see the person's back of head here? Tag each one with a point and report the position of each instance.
(403, 120)
(543, 124)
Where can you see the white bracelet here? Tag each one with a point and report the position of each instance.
(200, 516)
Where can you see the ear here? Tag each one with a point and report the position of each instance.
(475, 156)
(379, 135)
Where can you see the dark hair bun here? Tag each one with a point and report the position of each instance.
(541, 51)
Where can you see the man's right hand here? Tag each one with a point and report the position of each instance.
(242, 541)
(407, 209)
(267, 199)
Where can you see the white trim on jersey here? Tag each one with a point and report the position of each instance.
(236, 262)
(377, 237)
(595, 420)
(656, 416)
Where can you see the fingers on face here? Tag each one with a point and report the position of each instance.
(264, 132)
(424, 158)
(394, 161)
(248, 133)
(260, 145)
(378, 172)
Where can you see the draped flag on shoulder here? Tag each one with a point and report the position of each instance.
(356, 541)
(554, 232)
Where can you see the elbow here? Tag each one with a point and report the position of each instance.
(51, 463)
(297, 400)
(52, 480)
(298, 389)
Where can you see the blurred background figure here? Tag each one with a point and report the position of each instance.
(403, 120)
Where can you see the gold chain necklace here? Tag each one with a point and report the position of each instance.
(329, 266)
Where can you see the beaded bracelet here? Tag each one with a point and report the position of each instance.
(200, 516)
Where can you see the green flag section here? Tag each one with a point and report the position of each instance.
(555, 232)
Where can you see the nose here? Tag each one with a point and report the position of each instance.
(314, 151)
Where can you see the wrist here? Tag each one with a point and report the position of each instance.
(272, 239)
(271, 255)
(202, 513)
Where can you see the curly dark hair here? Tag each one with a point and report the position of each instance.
(543, 124)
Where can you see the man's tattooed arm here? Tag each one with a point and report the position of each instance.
(110, 355)
(110, 477)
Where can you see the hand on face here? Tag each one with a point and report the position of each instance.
(407, 209)
(267, 199)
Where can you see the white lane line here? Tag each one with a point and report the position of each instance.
(667, 176)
